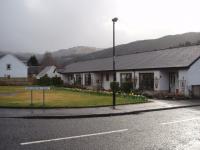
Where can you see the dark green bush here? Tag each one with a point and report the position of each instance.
(114, 86)
(46, 81)
(137, 92)
(57, 81)
(126, 87)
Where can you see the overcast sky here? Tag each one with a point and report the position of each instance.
(48, 25)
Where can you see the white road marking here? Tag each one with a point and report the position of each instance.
(185, 120)
(74, 137)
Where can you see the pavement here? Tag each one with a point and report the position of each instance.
(153, 105)
(173, 129)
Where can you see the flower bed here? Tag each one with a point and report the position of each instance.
(132, 95)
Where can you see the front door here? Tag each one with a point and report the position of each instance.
(173, 78)
(146, 81)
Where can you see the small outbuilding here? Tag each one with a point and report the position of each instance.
(50, 71)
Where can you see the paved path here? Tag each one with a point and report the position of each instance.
(99, 111)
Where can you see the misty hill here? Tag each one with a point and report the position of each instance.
(82, 53)
(145, 45)
(64, 56)
(74, 51)
(61, 56)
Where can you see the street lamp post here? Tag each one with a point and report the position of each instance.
(114, 71)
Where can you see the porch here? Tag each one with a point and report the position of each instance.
(168, 81)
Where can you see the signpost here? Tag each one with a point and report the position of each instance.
(43, 88)
(31, 97)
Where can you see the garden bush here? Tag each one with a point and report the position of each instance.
(126, 87)
(137, 92)
(114, 86)
(46, 81)
(57, 81)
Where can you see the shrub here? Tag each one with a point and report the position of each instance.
(137, 92)
(114, 86)
(46, 81)
(57, 81)
(149, 94)
(127, 87)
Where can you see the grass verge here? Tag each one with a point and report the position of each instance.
(16, 96)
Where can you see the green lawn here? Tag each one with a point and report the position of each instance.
(16, 96)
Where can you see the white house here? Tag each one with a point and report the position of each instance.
(50, 71)
(175, 70)
(12, 67)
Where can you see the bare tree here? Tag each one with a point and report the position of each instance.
(48, 60)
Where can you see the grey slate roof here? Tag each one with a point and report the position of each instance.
(168, 58)
(23, 60)
(45, 71)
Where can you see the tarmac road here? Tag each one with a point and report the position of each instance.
(168, 130)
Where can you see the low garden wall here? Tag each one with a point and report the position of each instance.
(14, 81)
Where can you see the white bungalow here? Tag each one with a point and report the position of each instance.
(174, 70)
(12, 67)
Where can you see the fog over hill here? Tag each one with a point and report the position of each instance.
(82, 53)
(62, 56)
(145, 45)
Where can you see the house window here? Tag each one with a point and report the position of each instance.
(8, 66)
(71, 77)
(88, 79)
(78, 79)
(107, 76)
(125, 77)
(146, 81)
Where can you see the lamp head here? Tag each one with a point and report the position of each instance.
(115, 19)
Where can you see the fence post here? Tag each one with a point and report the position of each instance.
(43, 98)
